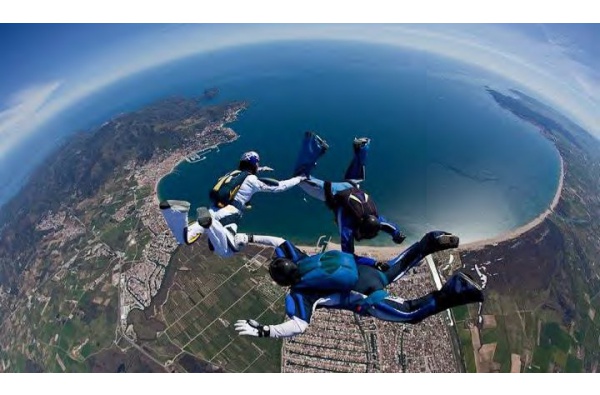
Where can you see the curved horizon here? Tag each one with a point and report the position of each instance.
(493, 48)
(39, 105)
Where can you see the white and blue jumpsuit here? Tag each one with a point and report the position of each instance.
(222, 234)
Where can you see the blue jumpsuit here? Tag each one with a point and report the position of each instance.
(310, 152)
(368, 296)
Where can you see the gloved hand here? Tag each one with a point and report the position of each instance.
(382, 266)
(252, 328)
(398, 237)
(241, 240)
(265, 168)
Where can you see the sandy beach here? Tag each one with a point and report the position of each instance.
(476, 245)
(382, 253)
(388, 252)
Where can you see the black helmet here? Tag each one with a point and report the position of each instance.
(368, 228)
(284, 272)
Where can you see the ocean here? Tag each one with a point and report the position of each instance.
(443, 155)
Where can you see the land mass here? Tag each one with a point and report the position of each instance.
(91, 279)
(542, 281)
(83, 243)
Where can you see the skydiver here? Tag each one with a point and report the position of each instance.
(354, 210)
(224, 240)
(230, 197)
(335, 279)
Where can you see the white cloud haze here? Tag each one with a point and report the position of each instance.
(23, 114)
(546, 67)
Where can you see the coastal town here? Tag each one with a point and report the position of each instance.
(141, 282)
(339, 341)
(105, 256)
(122, 231)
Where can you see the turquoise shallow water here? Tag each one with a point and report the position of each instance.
(443, 154)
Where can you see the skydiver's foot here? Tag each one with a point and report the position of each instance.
(203, 217)
(241, 240)
(360, 143)
(438, 241)
(320, 141)
(459, 290)
(193, 232)
(177, 205)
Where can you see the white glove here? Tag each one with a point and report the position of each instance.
(240, 240)
(265, 168)
(252, 328)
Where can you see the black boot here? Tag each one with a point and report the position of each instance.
(360, 142)
(322, 143)
(438, 241)
(459, 290)
(203, 217)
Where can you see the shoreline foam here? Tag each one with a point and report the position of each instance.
(512, 234)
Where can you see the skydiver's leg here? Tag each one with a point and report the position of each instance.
(356, 171)
(313, 147)
(175, 213)
(432, 242)
(222, 240)
(226, 215)
(459, 290)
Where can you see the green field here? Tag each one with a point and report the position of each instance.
(206, 298)
(466, 348)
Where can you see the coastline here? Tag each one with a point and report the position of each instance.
(388, 252)
(178, 156)
(381, 252)
(512, 234)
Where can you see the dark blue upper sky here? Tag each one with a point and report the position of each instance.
(36, 53)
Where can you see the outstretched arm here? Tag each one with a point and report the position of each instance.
(290, 328)
(392, 229)
(271, 241)
(299, 309)
(260, 186)
(346, 229)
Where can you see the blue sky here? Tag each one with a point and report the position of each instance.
(34, 54)
(45, 68)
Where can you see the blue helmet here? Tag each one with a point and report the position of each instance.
(251, 157)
